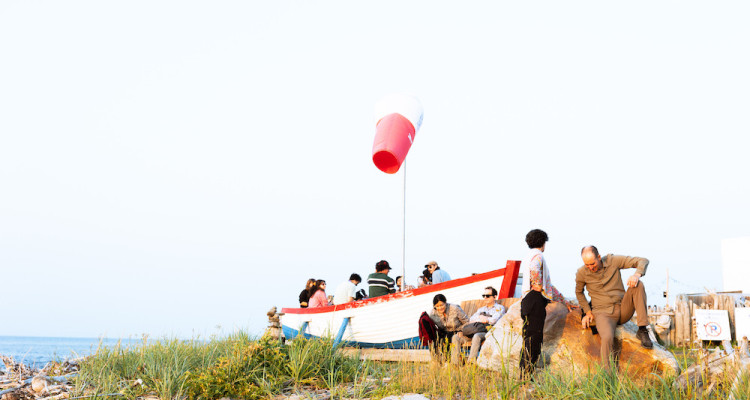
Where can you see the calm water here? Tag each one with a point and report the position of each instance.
(38, 351)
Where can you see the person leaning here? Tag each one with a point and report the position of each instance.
(487, 315)
(347, 290)
(611, 304)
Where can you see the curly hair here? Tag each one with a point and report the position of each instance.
(536, 238)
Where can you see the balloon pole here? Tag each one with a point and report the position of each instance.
(403, 244)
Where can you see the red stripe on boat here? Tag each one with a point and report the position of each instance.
(509, 273)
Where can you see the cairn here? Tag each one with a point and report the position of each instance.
(274, 325)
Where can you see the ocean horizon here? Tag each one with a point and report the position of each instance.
(37, 351)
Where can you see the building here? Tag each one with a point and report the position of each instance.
(735, 260)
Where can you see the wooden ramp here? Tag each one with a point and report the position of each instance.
(408, 355)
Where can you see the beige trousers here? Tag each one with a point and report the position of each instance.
(633, 302)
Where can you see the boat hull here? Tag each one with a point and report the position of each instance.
(391, 321)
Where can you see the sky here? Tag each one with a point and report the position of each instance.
(177, 168)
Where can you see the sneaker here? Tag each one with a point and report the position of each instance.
(642, 335)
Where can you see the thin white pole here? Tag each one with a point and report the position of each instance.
(403, 237)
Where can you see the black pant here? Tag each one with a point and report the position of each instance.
(533, 313)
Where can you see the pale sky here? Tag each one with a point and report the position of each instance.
(177, 168)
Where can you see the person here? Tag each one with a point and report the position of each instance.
(611, 304)
(537, 292)
(380, 284)
(449, 319)
(438, 275)
(304, 295)
(488, 314)
(398, 284)
(319, 298)
(425, 279)
(347, 290)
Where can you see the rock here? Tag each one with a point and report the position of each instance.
(39, 383)
(568, 347)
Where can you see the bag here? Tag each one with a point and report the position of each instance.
(360, 294)
(427, 330)
(474, 327)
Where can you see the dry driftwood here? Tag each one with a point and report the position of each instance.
(49, 383)
(713, 366)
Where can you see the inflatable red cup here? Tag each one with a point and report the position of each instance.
(398, 117)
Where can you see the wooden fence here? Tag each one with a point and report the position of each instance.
(684, 313)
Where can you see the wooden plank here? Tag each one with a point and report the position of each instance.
(408, 355)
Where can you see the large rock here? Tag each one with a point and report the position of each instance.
(567, 347)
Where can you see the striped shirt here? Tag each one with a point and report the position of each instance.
(380, 284)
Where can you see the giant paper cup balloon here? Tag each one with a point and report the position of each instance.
(398, 117)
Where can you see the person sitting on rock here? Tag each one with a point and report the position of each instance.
(611, 304)
(487, 315)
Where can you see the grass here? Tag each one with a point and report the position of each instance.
(242, 367)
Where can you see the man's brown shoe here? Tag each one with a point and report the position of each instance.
(642, 335)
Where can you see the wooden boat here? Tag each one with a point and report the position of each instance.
(392, 321)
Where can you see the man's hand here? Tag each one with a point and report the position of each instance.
(587, 320)
(484, 319)
(633, 280)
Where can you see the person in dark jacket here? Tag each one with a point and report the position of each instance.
(304, 295)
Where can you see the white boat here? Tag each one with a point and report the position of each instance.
(392, 321)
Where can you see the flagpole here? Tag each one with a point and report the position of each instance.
(403, 236)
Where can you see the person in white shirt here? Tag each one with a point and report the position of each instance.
(347, 290)
(488, 314)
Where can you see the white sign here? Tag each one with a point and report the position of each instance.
(742, 322)
(712, 324)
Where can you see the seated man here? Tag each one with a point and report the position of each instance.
(380, 283)
(347, 290)
(488, 314)
(611, 304)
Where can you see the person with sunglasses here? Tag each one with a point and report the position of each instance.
(487, 315)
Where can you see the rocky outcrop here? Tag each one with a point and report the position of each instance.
(569, 348)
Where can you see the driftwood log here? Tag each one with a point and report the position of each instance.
(713, 366)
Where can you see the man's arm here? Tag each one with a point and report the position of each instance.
(582, 302)
(639, 263)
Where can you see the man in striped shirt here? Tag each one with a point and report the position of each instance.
(380, 283)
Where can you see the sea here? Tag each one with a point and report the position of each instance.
(36, 352)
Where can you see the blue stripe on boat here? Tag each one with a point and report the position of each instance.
(409, 343)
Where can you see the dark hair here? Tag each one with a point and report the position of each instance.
(438, 298)
(494, 292)
(382, 265)
(536, 238)
(427, 274)
(316, 287)
(397, 278)
(591, 248)
(355, 277)
(310, 282)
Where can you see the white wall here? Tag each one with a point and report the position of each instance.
(735, 259)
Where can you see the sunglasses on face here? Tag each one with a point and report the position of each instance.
(487, 296)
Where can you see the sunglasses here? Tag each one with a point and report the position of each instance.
(488, 295)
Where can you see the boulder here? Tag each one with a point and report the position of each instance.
(570, 348)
